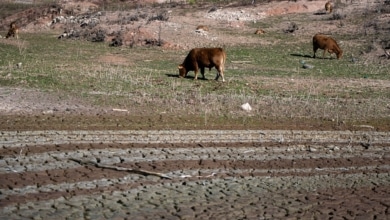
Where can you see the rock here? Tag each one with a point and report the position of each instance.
(246, 107)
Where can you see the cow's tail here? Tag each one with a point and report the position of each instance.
(222, 66)
(223, 59)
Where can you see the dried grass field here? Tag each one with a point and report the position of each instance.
(78, 76)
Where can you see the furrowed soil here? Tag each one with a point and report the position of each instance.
(196, 174)
(168, 166)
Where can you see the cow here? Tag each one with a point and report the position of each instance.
(201, 58)
(259, 31)
(202, 28)
(327, 44)
(329, 7)
(13, 31)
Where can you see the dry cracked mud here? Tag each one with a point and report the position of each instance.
(212, 174)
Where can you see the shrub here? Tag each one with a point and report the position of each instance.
(337, 15)
(162, 16)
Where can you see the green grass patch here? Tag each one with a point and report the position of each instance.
(270, 77)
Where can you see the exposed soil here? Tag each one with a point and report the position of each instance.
(220, 174)
(287, 168)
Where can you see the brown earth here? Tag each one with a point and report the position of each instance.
(285, 174)
(281, 177)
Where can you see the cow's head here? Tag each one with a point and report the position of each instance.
(182, 71)
(339, 54)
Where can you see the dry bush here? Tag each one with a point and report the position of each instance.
(338, 15)
(116, 42)
(291, 28)
(161, 16)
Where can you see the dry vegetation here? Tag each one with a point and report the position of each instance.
(135, 80)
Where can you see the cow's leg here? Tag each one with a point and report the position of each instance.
(202, 71)
(323, 55)
(220, 73)
(314, 50)
(196, 69)
(223, 78)
(330, 53)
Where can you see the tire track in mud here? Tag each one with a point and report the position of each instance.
(214, 174)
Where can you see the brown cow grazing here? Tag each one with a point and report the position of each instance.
(327, 44)
(329, 6)
(201, 58)
(13, 31)
(259, 31)
(202, 28)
